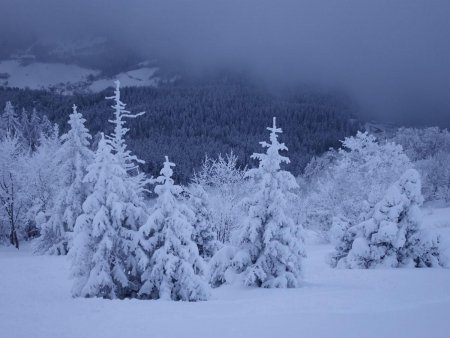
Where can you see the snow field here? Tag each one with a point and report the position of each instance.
(67, 77)
(35, 301)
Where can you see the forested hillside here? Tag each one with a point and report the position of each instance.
(188, 121)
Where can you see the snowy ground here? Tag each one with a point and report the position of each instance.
(35, 302)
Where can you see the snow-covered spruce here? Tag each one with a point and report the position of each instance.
(172, 267)
(41, 175)
(204, 234)
(9, 122)
(270, 243)
(101, 247)
(72, 158)
(117, 139)
(392, 237)
(135, 182)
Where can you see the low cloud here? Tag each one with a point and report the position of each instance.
(392, 56)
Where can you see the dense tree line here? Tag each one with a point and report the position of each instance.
(190, 120)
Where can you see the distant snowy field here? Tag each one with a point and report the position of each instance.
(67, 77)
(39, 75)
(142, 77)
(35, 301)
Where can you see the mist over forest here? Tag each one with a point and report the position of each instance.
(392, 58)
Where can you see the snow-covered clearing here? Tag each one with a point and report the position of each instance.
(35, 301)
(39, 75)
(69, 77)
(142, 77)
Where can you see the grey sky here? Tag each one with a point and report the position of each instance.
(392, 55)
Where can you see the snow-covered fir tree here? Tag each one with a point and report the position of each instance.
(72, 158)
(392, 237)
(270, 243)
(171, 264)
(41, 175)
(36, 129)
(26, 128)
(204, 233)
(117, 139)
(10, 122)
(101, 248)
(45, 128)
(135, 182)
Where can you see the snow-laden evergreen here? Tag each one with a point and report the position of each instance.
(270, 243)
(72, 158)
(35, 130)
(117, 138)
(101, 248)
(10, 122)
(392, 237)
(204, 233)
(31, 130)
(135, 182)
(171, 264)
(26, 130)
(41, 174)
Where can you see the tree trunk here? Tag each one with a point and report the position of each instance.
(13, 238)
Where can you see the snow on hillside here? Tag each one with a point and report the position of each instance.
(67, 78)
(135, 78)
(38, 75)
(36, 302)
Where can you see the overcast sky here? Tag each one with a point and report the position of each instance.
(393, 56)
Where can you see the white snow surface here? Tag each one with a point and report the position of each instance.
(69, 77)
(142, 77)
(35, 301)
(39, 75)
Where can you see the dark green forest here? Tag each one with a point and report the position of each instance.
(188, 121)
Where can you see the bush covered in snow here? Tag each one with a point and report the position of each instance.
(205, 234)
(352, 181)
(225, 184)
(429, 150)
(392, 236)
